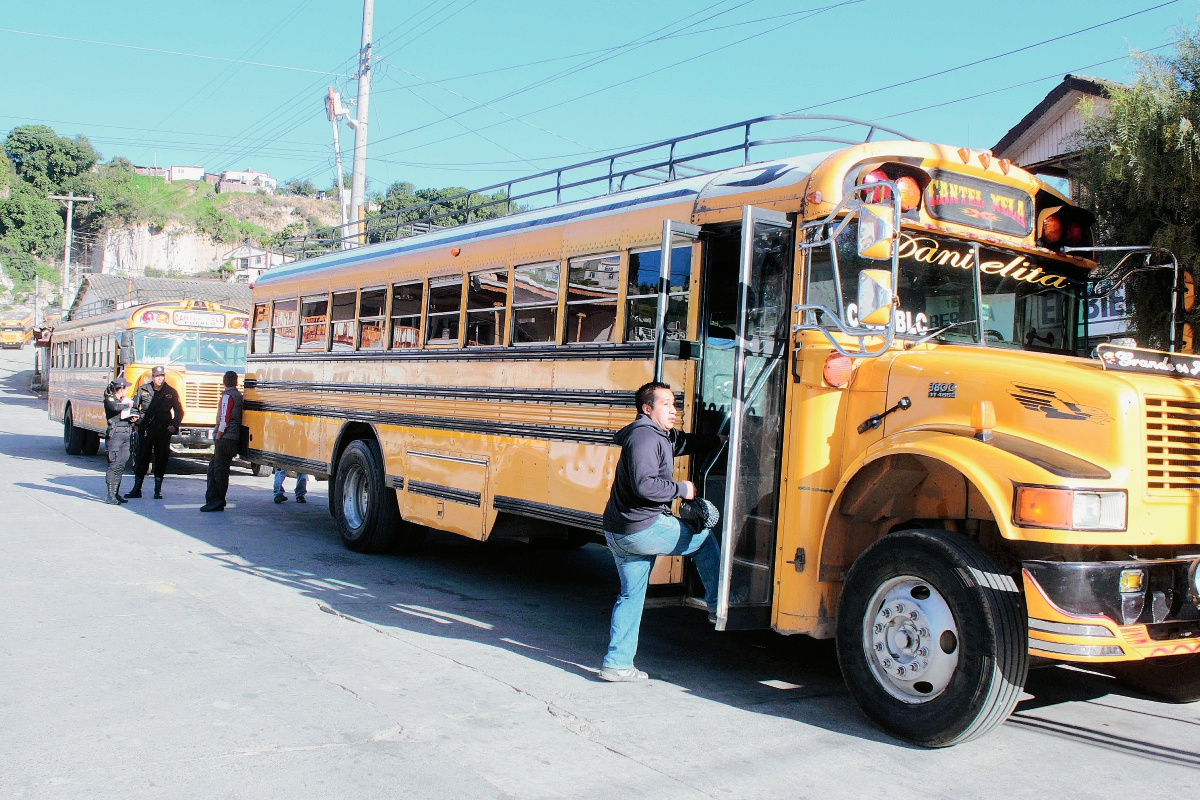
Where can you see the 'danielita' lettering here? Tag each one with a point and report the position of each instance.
(930, 251)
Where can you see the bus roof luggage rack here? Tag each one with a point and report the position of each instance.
(647, 165)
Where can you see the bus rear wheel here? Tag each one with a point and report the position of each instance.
(91, 443)
(365, 507)
(72, 437)
(1173, 679)
(931, 638)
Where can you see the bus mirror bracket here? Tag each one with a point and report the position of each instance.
(876, 287)
(125, 348)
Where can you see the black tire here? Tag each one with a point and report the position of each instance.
(72, 437)
(1172, 679)
(261, 470)
(365, 507)
(91, 443)
(980, 659)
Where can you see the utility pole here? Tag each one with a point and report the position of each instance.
(358, 183)
(69, 201)
(334, 110)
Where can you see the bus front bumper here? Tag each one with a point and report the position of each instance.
(1113, 611)
(192, 441)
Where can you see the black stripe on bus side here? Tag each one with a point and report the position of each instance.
(544, 511)
(636, 351)
(598, 397)
(445, 493)
(394, 481)
(289, 462)
(511, 429)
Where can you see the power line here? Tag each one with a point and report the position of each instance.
(170, 52)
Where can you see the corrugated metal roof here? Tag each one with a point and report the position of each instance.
(101, 293)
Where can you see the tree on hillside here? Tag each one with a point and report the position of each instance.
(1140, 174)
(45, 160)
(299, 188)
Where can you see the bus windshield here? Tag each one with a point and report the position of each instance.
(1027, 302)
(199, 352)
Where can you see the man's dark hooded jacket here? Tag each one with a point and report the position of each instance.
(644, 485)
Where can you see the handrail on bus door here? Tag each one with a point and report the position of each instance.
(671, 229)
(751, 397)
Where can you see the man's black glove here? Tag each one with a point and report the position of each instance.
(699, 513)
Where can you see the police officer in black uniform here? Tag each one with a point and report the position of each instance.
(121, 419)
(160, 413)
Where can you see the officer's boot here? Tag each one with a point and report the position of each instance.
(157, 488)
(136, 491)
(113, 497)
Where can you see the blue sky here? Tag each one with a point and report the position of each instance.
(651, 70)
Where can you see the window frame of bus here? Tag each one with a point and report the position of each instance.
(673, 295)
(430, 314)
(500, 332)
(614, 302)
(256, 329)
(516, 307)
(276, 339)
(393, 317)
(381, 318)
(349, 297)
(315, 345)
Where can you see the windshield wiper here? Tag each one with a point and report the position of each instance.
(938, 332)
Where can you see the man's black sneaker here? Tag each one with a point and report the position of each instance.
(133, 494)
(300, 499)
(281, 498)
(213, 507)
(158, 495)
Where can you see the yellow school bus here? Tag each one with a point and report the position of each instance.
(195, 340)
(16, 333)
(924, 462)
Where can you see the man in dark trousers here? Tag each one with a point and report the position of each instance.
(157, 406)
(639, 525)
(225, 444)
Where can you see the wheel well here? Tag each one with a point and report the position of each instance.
(350, 432)
(900, 492)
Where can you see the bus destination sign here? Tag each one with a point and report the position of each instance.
(1152, 362)
(198, 319)
(980, 204)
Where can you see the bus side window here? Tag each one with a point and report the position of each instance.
(641, 312)
(535, 303)
(262, 329)
(445, 303)
(407, 300)
(486, 298)
(283, 323)
(314, 322)
(592, 284)
(343, 321)
(372, 306)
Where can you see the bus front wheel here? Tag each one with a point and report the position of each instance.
(73, 438)
(365, 507)
(931, 638)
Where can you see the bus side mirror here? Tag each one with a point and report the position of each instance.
(125, 349)
(874, 297)
(875, 232)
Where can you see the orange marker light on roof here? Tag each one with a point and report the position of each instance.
(985, 158)
(1005, 165)
(964, 154)
(455, 251)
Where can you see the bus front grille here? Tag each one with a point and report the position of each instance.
(1172, 444)
(202, 395)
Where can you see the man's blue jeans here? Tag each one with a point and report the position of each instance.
(301, 482)
(635, 554)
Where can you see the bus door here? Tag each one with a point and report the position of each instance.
(742, 385)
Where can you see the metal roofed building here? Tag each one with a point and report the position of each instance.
(101, 293)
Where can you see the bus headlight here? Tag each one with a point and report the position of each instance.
(1071, 509)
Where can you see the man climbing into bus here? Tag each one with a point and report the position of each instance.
(158, 406)
(639, 525)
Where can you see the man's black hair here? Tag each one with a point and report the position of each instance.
(231, 378)
(645, 395)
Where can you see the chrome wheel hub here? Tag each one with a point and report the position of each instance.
(910, 639)
(356, 498)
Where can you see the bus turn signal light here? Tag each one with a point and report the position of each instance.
(837, 370)
(910, 192)
(1052, 229)
(1069, 509)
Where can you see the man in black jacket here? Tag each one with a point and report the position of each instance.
(157, 406)
(638, 523)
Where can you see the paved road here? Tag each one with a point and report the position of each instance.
(153, 651)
